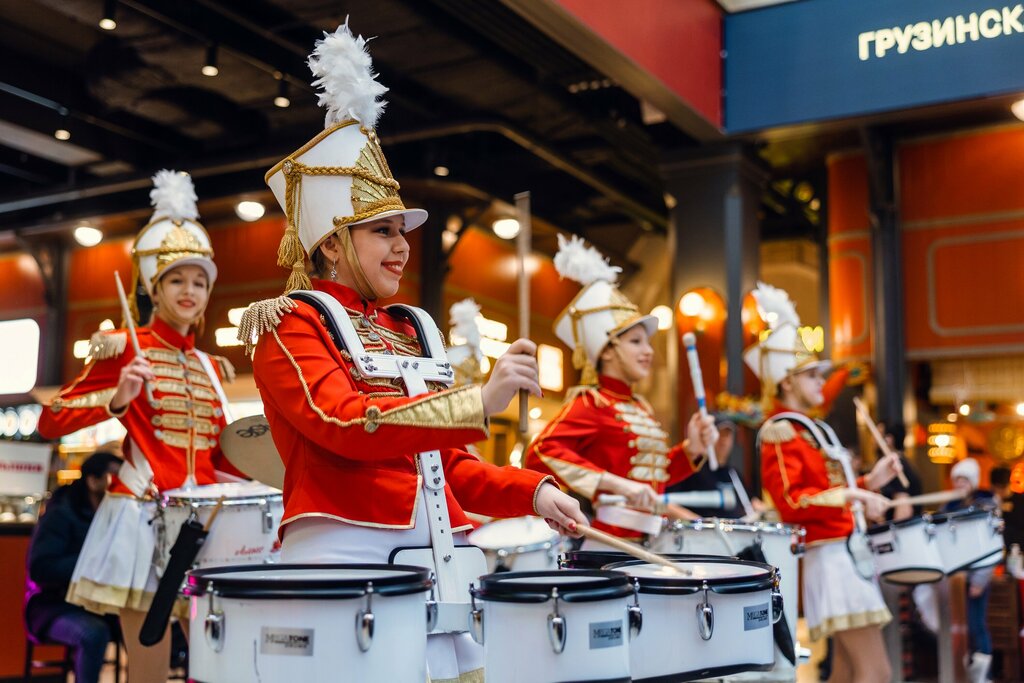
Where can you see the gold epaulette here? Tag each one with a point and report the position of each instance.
(260, 318)
(227, 369)
(105, 345)
(778, 431)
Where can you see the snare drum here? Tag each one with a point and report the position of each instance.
(969, 539)
(519, 544)
(245, 531)
(598, 559)
(906, 552)
(713, 619)
(546, 627)
(317, 623)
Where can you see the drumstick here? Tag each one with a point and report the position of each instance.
(522, 251)
(697, 378)
(130, 324)
(862, 410)
(213, 515)
(626, 547)
(928, 498)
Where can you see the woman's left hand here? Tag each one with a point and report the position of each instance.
(560, 510)
(884, 470)
(701, 434)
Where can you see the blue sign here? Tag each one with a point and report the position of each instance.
(822, 59)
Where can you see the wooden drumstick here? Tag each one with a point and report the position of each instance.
(213, 515)
(126, 313)
(862, 410)
(627, 547)
(928, 498)
(522, 252)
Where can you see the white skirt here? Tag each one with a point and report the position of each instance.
(115, 569)
(451, 657)
(836, 597)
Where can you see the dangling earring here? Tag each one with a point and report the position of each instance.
(334, 271)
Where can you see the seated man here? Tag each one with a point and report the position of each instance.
(56, 543)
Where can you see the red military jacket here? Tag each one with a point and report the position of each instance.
(348, 442)
(609, 429)
(182, 431)
(803, 482)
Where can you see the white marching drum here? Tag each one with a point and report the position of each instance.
(547, 627)
(907, 552)
(714, 618)
(518, 544)
(310, 623)
(969, 539)
(244, 532)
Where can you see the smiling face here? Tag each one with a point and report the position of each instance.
(181, 296)
(630, 357)
(381, 249)
(804, 390)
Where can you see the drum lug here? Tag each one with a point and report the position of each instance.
(556, 627)
(266, 516)
(431, 607)
(213, 625)
(503, 563)
(364, 622)
(997, 524)
(634, 613)
(476, 617)
(777, 603)
(705, 616)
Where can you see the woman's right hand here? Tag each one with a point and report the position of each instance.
(638, 495)
(875, 504)
(515, 370)
(133, 378)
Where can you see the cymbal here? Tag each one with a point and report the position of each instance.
(248, 446)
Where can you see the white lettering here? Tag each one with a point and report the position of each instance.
(922, 35)
(943, 32)
(965, 26)
(864, 40)
(884, 40)
(990, 23)
(1011, 19)
(903, 36)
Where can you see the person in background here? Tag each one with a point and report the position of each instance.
(721, 479)
(53, 552)
(966, 476)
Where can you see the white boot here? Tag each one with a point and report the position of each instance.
(978, 670)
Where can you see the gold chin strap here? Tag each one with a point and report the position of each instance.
(363, 285)
(580, 360)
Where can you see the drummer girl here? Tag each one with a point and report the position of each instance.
(171, 439)
(808, 486)
(352, 489)
(606, 438)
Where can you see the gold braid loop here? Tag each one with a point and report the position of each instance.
(260, 318)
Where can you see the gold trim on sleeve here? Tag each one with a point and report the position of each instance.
(580, 479)
(536, 492)
(830, 498)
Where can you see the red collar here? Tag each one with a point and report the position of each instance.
(171, 336)
(348, 297)
(615, 386)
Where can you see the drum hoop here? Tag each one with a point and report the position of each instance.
(401, 579)
(180, 502)
(972, 512)
(516, 549)
(616, 557)
(901, 524)
(508, 586)
(682, 585)
(713, 523)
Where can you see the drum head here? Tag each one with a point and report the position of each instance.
(213, 492)
(598, 559)
(720, 575)
(308, 581)
(574, 585)
(248, 446)
(521, 532)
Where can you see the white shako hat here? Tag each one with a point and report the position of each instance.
(781, 352)
(466, 355)
(600, 312)
(173, 237)
(340, 177)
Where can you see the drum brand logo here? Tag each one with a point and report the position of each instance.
(244, 551)
(286, 641)
(605, 634)
(756, 616)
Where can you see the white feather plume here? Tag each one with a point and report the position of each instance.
(581, 263)
(173, 196)
(463, 316)
(343, 71)
(775, 306)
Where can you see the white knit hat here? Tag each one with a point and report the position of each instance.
(969, 469)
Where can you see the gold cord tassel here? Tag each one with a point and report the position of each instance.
(290, 253)
(589, 375)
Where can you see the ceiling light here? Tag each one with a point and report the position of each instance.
(107, 22)
(62, 134)
(441, 171)
(1018, 109)
(965, 409)
(664, 315)
(249, 210)
(535, 413)
(692, 304)
(282, 100)
(210, 65)
(1020, 409)
(506, 228)
(88, 236)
